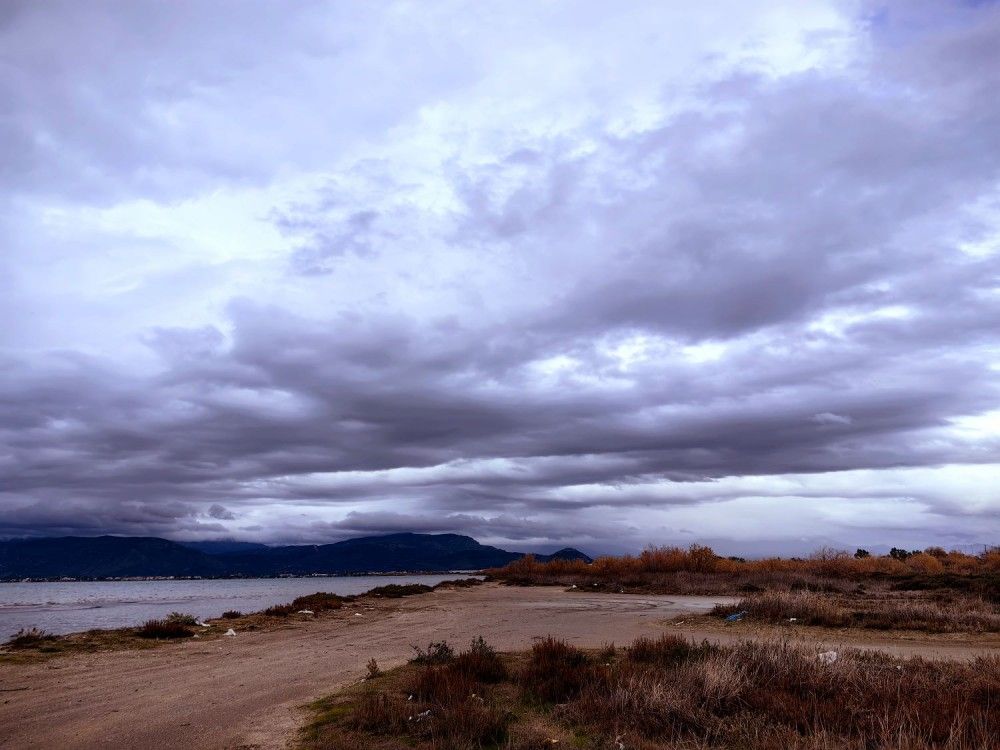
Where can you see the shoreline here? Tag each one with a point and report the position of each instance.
(249, 690)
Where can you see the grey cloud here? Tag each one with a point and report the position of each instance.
(781, 256)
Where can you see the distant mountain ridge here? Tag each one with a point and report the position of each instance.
(125, 557)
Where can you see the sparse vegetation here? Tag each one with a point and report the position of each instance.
(232, 614)
(29, 638)
(396, 590)
(180, 618)
(163, 629)
(698, 570)
(944, 615)
(438, 652)
(668, 694)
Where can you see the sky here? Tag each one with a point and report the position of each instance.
(545, 273)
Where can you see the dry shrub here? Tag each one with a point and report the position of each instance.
(279, 610)
(469, 723)
(437, 652)
(321, 601)
(698, 570)
(481, 662)
(459, 583)
(397, 591)
(555, 671)
(755, 695)
(380, 713)
(950, 614)
(30, 638)
(163, 629)
(664, 651)
(442, 684)
(231, 614)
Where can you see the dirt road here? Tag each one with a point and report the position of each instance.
(247, 691)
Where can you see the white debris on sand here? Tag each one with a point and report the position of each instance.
(305, 612)
(230, 632)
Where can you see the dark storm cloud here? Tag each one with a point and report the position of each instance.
(769, 282)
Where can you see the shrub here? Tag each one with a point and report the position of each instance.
(163, 629)
(664, 651)
(181, 618)
(555, 671)
(460, 583)
(373, 669)
(437, 652)
(481, 662)
(30, 638)
(231, 614)
(396, 591)
(321, 601)
(379, 713)
(279, 610)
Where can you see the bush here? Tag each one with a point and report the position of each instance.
(555, 671)
(396, 591)
(231, 614)
(162, 629)
(460, 583)
(664, 651)
(481, 662)
(438, 652)
(181, 618)
(321, 601)
(30, 638)
(279, 610)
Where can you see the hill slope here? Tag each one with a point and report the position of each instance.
(112, 557)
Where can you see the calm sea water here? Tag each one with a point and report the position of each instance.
(67, 607)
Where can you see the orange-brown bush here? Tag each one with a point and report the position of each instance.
(699, 570)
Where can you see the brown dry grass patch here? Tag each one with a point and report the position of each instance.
(667, 693)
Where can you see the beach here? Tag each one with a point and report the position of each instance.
(249, 690)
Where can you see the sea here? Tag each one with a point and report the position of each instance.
(71, 606)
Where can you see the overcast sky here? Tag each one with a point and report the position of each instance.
(601, 274)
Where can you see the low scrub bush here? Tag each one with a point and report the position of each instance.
(555, 671)
(321, 601)
(668, 694)
(460, 583)
(231, 614)
(180, 618)
(279, 610)
(437, 652)
(698, 570)
(397, 591)
(29, 638)
(163, 629)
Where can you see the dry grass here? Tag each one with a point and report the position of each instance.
(30, 638)
(945, 615)
(698, 570)
(668, 693)
(164, 629)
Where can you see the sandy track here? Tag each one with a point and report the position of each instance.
(246, 692)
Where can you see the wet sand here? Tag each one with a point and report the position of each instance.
(248, 691)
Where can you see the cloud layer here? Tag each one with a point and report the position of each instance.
(544, 274)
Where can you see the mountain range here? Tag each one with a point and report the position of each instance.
(125, 557)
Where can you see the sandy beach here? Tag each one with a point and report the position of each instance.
(248, 691)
